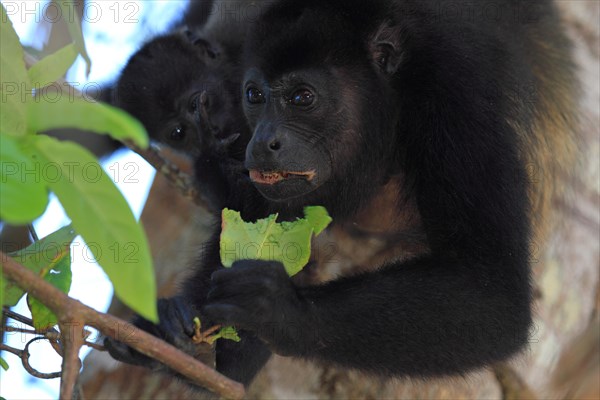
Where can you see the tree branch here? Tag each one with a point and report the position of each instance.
(73, 316)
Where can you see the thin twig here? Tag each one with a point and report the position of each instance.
(32, 371)
(17, 317)
(95, 346)
(71, 312)
(19, 330)
(24, 356)
(12, 350)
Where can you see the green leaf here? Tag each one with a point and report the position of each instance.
(4, 366)
(318, 218)
(103, 218)
(13, 79)
(85, 115)
(60, 276)
(52, 67)
(71, 18)
(266, 239)
(39, 257)
(23, 197)
(228, 333)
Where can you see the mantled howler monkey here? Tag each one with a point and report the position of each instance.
(415, 127)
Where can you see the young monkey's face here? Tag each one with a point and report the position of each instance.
(183, 94)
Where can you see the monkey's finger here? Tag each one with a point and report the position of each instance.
(183, 314)
(226, 314)
(235, 292)
(122, 352)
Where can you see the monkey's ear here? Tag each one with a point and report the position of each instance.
(385, 48)
(208, 50)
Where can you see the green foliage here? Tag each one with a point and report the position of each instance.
(228, 333)
(120, 247)
(53, 67)
(58, 274)
(24, 196)
(74, 27)
(4, 366)
(40, 257)
(90, 116)
(266, 239)
(33, 164)
(13, 75)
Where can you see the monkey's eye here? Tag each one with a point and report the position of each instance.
(254, 96)
(177, 134)
(302, 97)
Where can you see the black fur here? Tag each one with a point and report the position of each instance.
(402, 87)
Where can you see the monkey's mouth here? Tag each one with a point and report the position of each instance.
(273, 177)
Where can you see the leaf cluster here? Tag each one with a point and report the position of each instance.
(33, 165)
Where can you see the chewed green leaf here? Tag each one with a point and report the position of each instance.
(13, 76)
(39, 257)
(85, 115)
(52, 67)
(318, 218)
(60, 276)
(23, 197)
(266, 239)
(103, 218)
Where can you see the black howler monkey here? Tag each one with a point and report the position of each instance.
(415, 126)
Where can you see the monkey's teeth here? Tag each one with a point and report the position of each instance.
(270, 178)
(267, 178)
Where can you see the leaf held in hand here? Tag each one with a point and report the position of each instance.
(228, 333)
(266, 239)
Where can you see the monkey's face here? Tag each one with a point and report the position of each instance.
(208, 111)
(182, 94)
(304, 134)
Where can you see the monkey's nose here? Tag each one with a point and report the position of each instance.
(275, 145)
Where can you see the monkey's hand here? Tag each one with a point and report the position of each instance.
(259, 296)
(176, 326)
